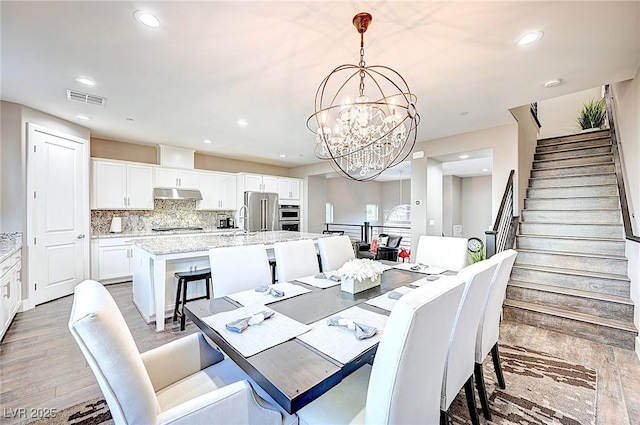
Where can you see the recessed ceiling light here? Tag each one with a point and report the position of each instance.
(242, 123)
(84, 80)
(465, 156)
(552, 83)
(283, 155)
(83, 117)
(207, 141)
(530, 37)
(147, 19)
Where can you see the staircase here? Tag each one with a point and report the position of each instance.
(571, 271)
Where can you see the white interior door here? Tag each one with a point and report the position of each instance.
(58, 211)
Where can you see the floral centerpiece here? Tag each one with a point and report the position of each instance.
(360, 274)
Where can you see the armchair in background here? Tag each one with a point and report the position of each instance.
(388, 247)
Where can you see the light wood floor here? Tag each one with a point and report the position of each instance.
(42, 367)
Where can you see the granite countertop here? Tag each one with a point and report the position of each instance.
(204, 242)
(9, 244)
(147, 233)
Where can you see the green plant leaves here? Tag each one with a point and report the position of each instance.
(592, 114)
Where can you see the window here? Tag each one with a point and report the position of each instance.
(328, 213)
(372, 212)
(400, 212)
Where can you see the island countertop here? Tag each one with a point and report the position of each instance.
(203, 242)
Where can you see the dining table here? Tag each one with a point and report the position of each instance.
(295, 372)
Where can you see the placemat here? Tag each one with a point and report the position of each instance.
(252, 296)
(422, 269)
(384, 302)
(256, 338)
(318, 283)
(339, 342)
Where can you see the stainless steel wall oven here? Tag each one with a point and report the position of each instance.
(289, 216)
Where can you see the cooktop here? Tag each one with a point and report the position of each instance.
(170, 229)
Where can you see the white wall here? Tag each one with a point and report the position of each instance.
(451, 203)
(316, 205)
(391, 195)
(502, 140)
(476, 206)
(527, 142)
(349, 199)
(558, 115)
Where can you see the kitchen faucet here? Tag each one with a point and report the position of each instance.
(244, 219)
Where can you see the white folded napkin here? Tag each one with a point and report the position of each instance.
(239, 325)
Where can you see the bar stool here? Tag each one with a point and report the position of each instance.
(181, 294)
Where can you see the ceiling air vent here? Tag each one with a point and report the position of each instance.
(85, 98)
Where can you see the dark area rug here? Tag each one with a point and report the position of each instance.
(541, 390)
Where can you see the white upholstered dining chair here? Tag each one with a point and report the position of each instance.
(489, 327)
(458, 370)
(442, 251)
(238, 268)
(403, 385)
(186, 381)
(335, 251)
(295, 259)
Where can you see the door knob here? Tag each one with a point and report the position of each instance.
(80, 236)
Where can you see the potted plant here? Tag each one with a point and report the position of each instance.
(592, 114)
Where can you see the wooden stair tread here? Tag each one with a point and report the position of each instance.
(573, 292)
(582, 317)
(602, 134)
(575, 254)
(572, 224)
(574, 165)
(570, 149)
(579, 238)
(573, 175)
(571, 271)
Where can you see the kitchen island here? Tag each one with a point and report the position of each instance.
(155, 260)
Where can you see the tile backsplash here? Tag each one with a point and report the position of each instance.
(166, 213)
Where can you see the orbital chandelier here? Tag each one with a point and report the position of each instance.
(375, 131)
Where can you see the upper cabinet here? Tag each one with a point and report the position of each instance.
(171, 177)
(218, 191)
(289, 190)
(257, 183)
(119, 185)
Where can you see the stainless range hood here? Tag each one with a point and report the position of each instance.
(173, 193)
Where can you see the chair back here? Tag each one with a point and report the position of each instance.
(104, 338)
(394, 241)
(489, 327)
(404, 386)
(295, 259)
(442, 251)
(238, 268)
(461, 354)
(335, 251)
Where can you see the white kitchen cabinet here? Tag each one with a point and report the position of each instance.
(257, 183)
(10, 289)
(171, 177)
(289, 190)
(111, 259)
(218, 191)
(119, 185)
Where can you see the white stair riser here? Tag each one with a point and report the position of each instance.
(572, 204)
(566, 192)
(573, 262)
(589, 246)
(576, 216)
(593, 306)
(586, 283)
(570, 181)
(573, 171)
(568, 162)
(573, 153)
(578, 230)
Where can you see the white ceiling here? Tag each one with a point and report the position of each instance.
(212, 63)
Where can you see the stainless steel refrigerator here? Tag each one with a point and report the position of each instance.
(262, 211)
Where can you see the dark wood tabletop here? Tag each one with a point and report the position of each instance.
(294, 373)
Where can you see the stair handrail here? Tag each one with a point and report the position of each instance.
(503, 232)
(617, 165)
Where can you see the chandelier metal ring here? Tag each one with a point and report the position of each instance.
(364, 137)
